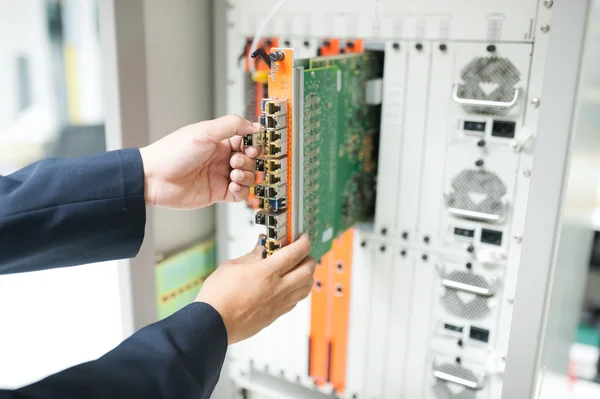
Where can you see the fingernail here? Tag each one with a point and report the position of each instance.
(238, 174)
(238, 162)
(257, 126)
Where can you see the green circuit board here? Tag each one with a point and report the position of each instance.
(340, 145)
(320, 157)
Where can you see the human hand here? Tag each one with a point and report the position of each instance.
(250, 293)
(200, 164)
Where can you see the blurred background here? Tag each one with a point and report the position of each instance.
(51, 105)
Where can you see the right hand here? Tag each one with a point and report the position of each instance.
(250, 292)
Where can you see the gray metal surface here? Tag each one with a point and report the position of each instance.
(542, 224)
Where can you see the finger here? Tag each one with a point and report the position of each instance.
(253, 152)
(298, 294)
(300, 276)
(244, 162)
(229, 126)
(236, 193)
(242, 177)
(289, 256)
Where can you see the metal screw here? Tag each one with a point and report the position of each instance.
(548, 3)
(382, 248)
(403, 252)
(396, 46)
(425, 257)
(479, 162)
(419, 46)
(535, 102)
(443, 47)
(527, 172)
(545, 28)
(518, 238)
(491, 48)
(384, 231)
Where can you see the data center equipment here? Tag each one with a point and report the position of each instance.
(442, 158)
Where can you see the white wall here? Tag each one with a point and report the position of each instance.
(55, 319)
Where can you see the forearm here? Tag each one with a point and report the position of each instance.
(179, 357)
(58, 212)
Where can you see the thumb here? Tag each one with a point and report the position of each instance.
(225, 127)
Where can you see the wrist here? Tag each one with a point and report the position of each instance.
(149, 177)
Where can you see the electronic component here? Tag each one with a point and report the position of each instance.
(275, 233)
(275, 121)
(504, 129)
(340, 145)
(374, 91)
(276, 178)
(253, 140)
(273, 245)
(453, 328)
(271, 165)
(276, 107)
(271, 219)
(479, 334)
(273, 136)
(492, 237)
(270, 192)
(474, 126)
(274, 205)
(276, 150)
(459, 231)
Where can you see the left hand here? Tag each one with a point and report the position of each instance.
(200, 164)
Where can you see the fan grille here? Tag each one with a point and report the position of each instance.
(489, 79)
(470, 184)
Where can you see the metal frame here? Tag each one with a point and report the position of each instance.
(543, 221)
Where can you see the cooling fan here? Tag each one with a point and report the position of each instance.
(489, 86)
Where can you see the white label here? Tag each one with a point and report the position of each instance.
(327, 235)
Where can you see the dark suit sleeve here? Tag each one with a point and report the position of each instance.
(65, 212)
(179, 357)
(58, 213)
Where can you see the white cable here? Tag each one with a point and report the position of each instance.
(259, 32)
